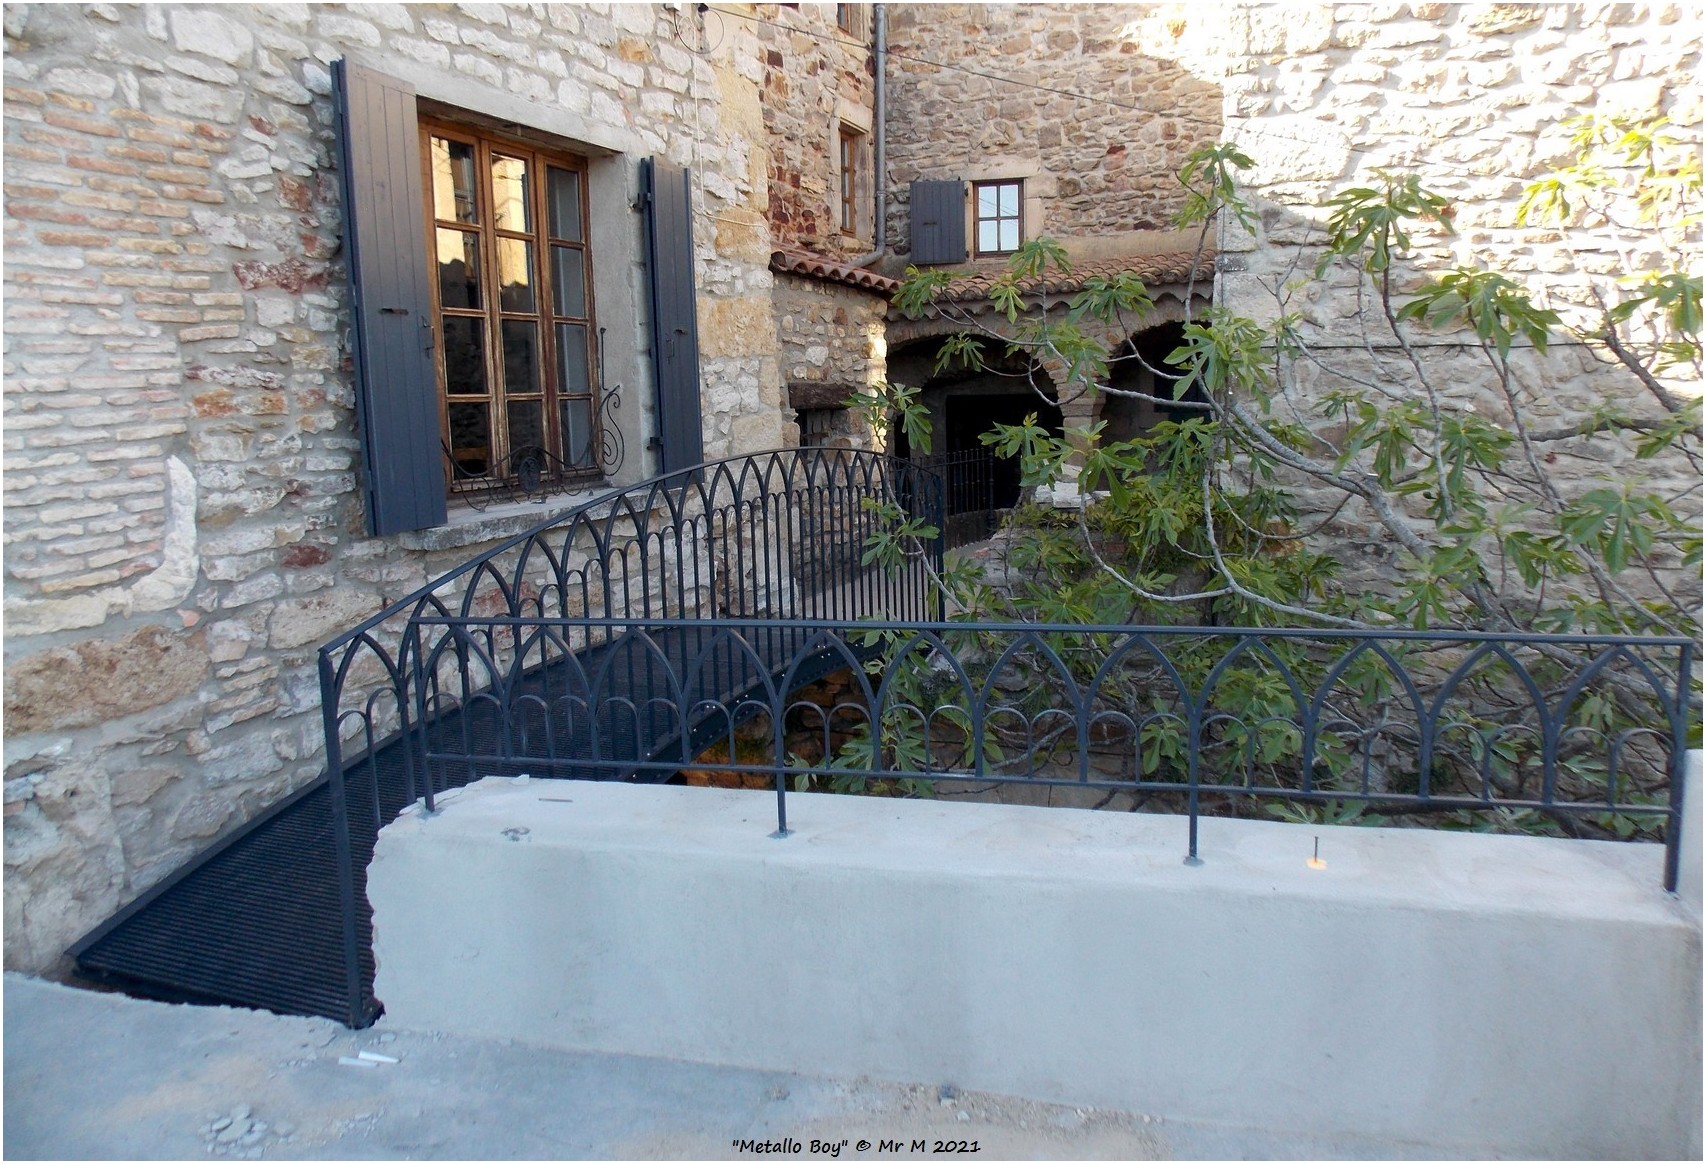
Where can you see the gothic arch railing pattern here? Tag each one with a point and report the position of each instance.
(676, 624)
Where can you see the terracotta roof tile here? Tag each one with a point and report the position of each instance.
(1156, 270)
(810, 266)
(1152, 269)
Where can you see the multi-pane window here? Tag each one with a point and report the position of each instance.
(514, 308)
(998, 214)
(850, 141)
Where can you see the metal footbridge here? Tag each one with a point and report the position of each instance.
(605, 644)
(624, 639)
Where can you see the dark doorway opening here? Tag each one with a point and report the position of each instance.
(964, 403)
(969, 418)
(1140, 365)
(978, 484)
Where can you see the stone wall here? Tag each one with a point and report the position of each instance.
(1093, 167)
(817, 78)
(183, 527)
(832, 339)
(1471, 98)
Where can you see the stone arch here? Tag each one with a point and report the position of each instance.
(1139, 363)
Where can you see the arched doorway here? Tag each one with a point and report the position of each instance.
(1140, 365)
(964, 404)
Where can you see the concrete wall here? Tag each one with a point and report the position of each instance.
(1467, 993)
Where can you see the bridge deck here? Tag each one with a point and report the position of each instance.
(257, 920)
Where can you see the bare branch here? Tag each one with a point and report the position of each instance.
(1672, 403)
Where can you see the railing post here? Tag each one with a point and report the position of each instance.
(341, 842)
(1682, 854)
(938, 548)
(782, 830)
(1193, 758)
(778, 753)
(423, 711)
(1684, 773)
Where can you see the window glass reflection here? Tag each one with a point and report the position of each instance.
(515, 275)
(453, 197)
(572, 374)
(577, 433)
(509, 194)
(458, 268)
(471, 438)
(521, 356)
(464, 355)
(526, 426)
(563, 192)
(568, 281)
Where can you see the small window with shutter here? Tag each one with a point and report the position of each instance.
(998, 215)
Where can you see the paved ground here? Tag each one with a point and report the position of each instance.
(101, 1076)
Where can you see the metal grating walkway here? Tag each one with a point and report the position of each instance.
(256, 920)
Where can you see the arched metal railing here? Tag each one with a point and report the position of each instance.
(780, 535)
(520, 658)
(737, 620)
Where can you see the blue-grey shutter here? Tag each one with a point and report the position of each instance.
(675, 319)
(391, 326)
(939, 222)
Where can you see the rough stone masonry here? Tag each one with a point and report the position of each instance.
(182, 523)
(1471, 97)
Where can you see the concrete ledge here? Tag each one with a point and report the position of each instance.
(1499, 994)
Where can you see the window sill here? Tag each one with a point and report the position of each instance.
(466, 526)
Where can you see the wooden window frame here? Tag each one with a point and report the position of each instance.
(849, 141)
(544, 316)
(978, 219)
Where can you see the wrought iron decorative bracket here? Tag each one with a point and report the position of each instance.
(534, 473)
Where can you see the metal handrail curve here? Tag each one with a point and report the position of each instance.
(622, 638)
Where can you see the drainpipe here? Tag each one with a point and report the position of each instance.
(879, 173)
